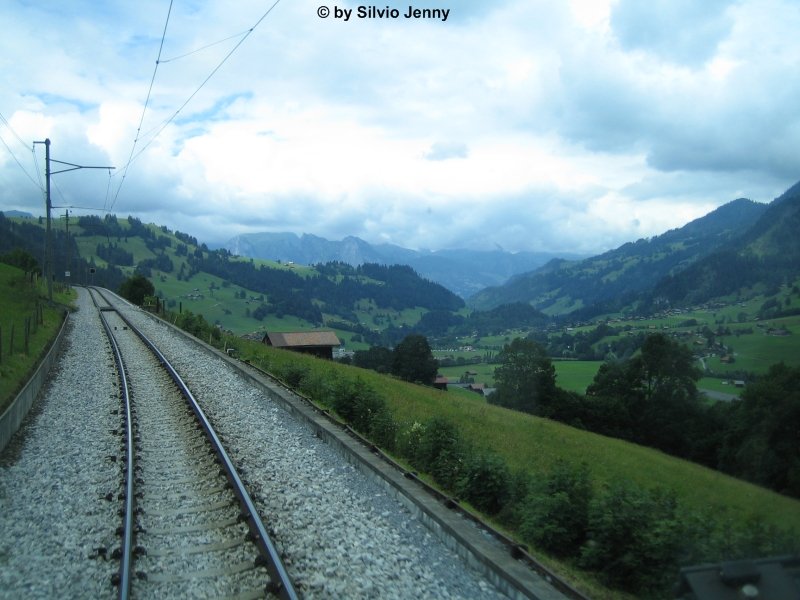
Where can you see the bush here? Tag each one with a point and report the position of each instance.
(441, 453)
(316, 385)
(557, 510)
(135, 288)
(383, 429)
(634, 538)
(365, 410)
(714, 537)
(197, 325)
(292, 374)
(486, 483)
(355, 401)
(409, 443)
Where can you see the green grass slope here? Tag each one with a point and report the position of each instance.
(726, 511)
(19, 300)
(531, 444)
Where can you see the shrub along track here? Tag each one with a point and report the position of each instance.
(187, 513)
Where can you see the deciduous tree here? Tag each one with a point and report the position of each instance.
(525, 379)
(136, 287)
(413, 360)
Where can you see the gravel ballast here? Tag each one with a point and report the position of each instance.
(56, 473)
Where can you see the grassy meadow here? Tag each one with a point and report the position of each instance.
(576, 375)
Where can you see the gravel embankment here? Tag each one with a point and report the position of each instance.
(341, 534)
(56, 524)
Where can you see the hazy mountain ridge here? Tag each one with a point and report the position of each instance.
(462, 271)
(621, 274)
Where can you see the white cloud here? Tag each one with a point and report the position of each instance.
(532, 124)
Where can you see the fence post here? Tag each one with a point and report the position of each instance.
(27, 335)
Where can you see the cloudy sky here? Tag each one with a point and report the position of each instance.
(527, 124)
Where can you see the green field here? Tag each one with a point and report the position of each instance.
(724, 386)
(572, 375)
(576, 375)
(756, 352)
(481, 373)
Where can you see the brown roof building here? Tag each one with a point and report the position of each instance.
(317, 343)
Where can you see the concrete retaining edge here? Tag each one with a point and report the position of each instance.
(13, 416)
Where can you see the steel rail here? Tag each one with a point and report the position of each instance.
(126, 549)
(281, 584)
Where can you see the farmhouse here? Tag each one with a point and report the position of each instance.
(440, 383)
(316, 343)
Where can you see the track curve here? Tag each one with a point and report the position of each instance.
(189, 522)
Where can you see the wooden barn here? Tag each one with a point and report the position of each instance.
(316, 343)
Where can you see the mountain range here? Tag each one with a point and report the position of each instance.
(740, 244)
(462, 271)
(742, 249)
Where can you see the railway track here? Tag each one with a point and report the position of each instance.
(189, 526)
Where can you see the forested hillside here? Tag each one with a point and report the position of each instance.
(29, 235)
(615, 278)
(104, 251)
(767, 254)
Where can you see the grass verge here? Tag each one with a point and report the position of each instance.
(20, 300)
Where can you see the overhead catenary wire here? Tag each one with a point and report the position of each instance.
(207, 46)
(5, 122)
(164, 125)
(144, 109)
(38, 170)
